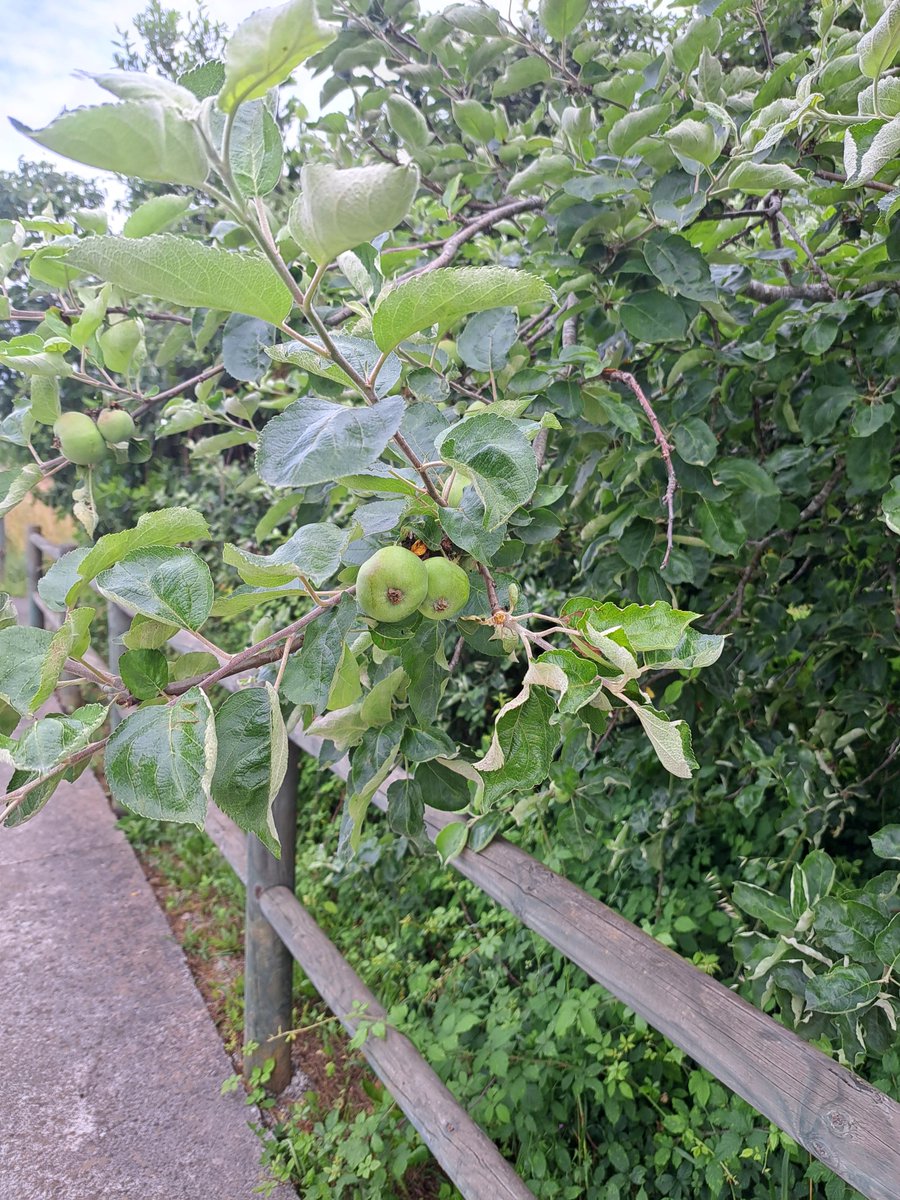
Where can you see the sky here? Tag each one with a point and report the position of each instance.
(45, 41)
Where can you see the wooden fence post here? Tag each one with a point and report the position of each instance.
(118, 622)
(268, 964)
(34, 568)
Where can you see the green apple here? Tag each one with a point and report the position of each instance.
(115, 425)
(79, 439)
(391, 584)
(448, 590)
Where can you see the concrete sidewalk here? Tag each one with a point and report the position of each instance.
(110, 1066)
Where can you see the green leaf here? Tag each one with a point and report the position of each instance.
(50, 740)
(580, 678)
(548, 169)
(451, 841)
(647, 626)
(634, 126)
(360, 353)
(71, 639)
(45, 406)
(251, 762)
(887, 944)
(8, 613)
(670, 739)
(652, 316)
(720, 527)
(168, 584)
(561, 17)
(256, 152)
(185, 272)
(264, 49)
(155, 215)
(679, 265)
(487, 339)
(142, 138)
(164, 527)
(521, 74)
(869, 147)
(762, 905)
(528, 742)
(695, 442)
(138, 85)
(474, 120)
(22, 654)
(407, 122)
(443, 296)
(27, 354)
(695, 144)
(204, 80)
(886, 842)
(757, 179)
(878, 48)
(146, 634)
(499, 459)
(16, 483)
(370, 764)
(841, 990)
(317, 441)
(339, 209)
(703, 33)
(160, 760)
(313, 552)
(309, 674)
(144, 672)
(693, 651)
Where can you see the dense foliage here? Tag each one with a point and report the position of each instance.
(602, 309)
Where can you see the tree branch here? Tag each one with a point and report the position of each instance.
(260, 654)
(39, 314)
(456, 241)
(12, 800)
(665, 449)
(149, 401)
(815, 505)
(867, 183)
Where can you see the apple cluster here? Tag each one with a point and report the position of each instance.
(394, 583)
(83, 441)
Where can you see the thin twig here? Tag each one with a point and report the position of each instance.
(813, 262)
(39, 314)
(149, 401)
(457, 240)
(664, 447)
(257, 655)
(764, 34)
(288, 646)
(875, 186)
(12, 800)
(493, 598)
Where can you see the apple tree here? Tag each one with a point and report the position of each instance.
(583, 317)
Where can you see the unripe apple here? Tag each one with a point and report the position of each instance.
(391, 584)
(461, 480)
(79, 439)
(448, 590)
(115, 425)
(119, 344)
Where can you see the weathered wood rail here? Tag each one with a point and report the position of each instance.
(850, 1126)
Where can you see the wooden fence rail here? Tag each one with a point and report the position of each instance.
(850, 1126)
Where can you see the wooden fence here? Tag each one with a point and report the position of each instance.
(850, 1126)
